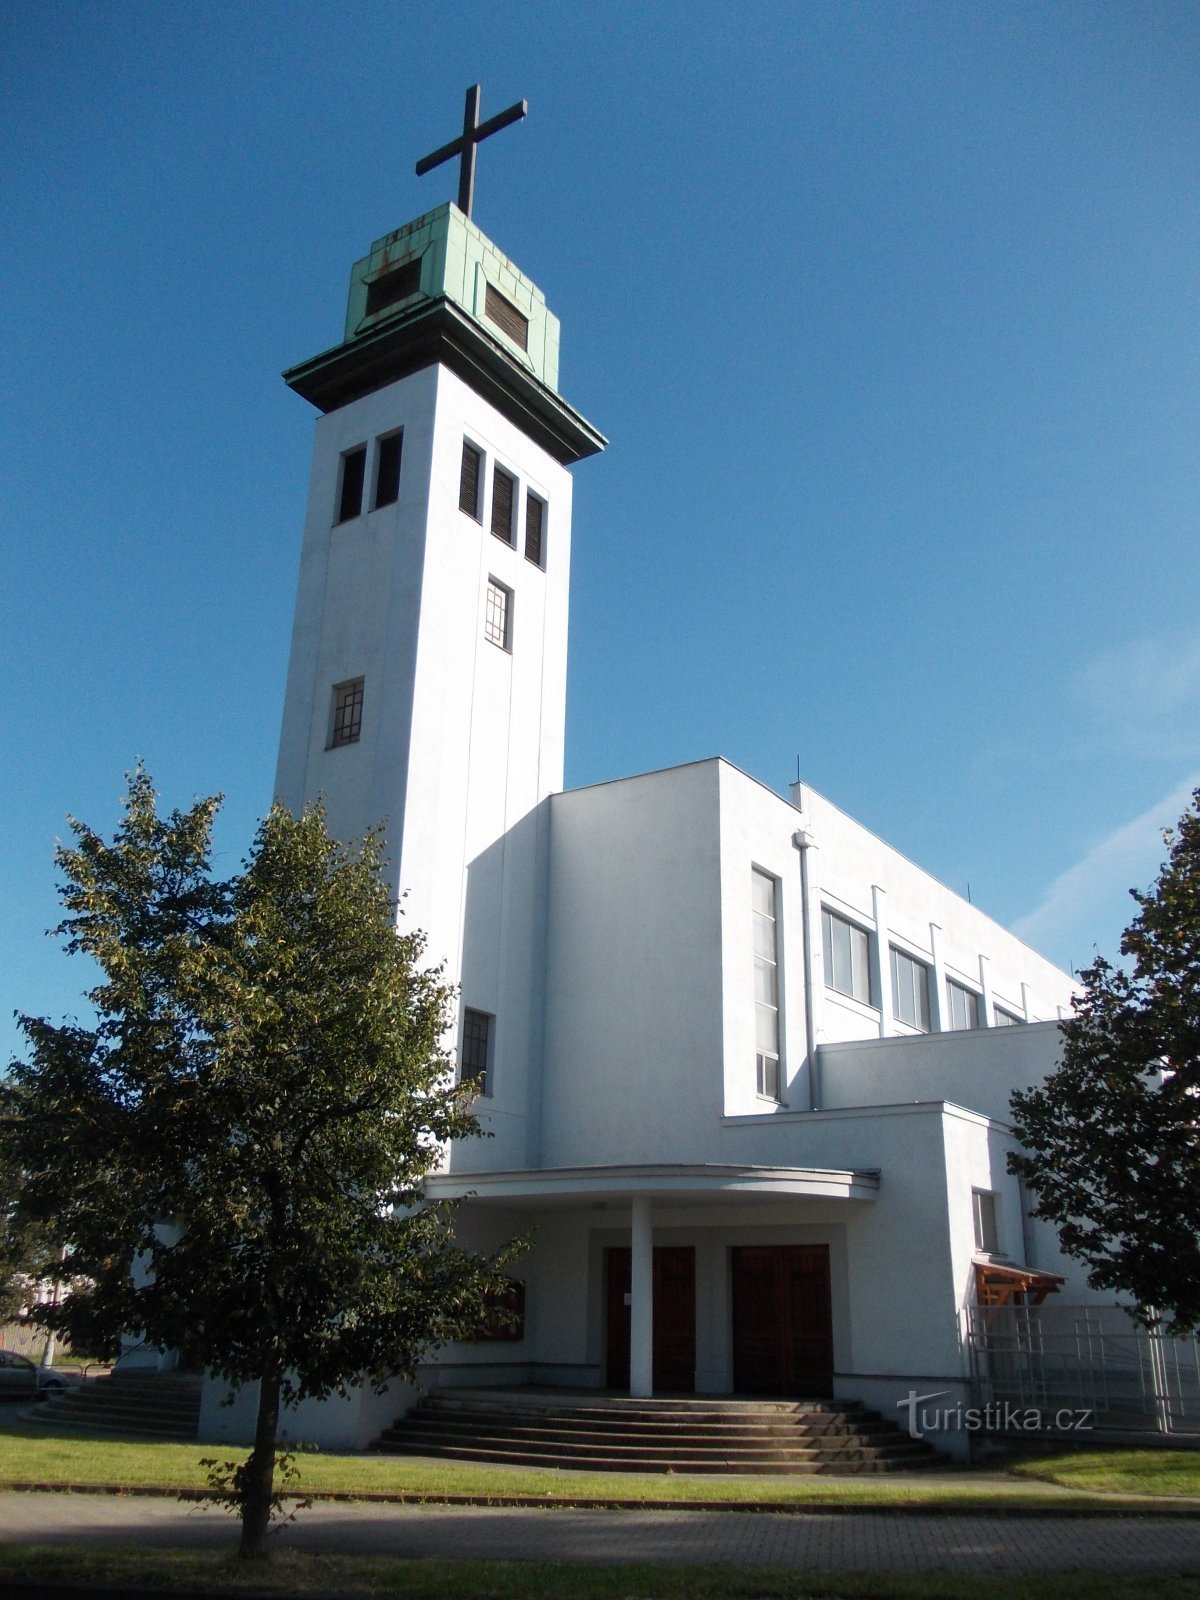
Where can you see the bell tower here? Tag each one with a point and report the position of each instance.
(427, 678)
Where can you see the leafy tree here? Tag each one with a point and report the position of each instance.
(236, 1148)
(1112, 1152)
(27, 1249)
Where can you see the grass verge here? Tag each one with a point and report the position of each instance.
(288, 1574)
(1156, 1472)
(31, 1454)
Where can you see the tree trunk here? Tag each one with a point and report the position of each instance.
(259, 1480)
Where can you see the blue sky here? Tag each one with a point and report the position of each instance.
(888, 309)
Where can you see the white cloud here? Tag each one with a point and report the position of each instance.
(1146, 691)
(1088, 907)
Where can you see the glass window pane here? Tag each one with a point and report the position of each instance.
(766, 1028)
(762, 893)
(764, 982)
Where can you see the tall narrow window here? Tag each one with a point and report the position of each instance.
(387, 470)
(535, 530)
(766, 984)
(847, 953)
(346, 723)
(910, 990)
(468, 481)
(504, 495)
(354, 469)
(987, 1235)
(473, 1058)
(962, 1005)
(497, 615)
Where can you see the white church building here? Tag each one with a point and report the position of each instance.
(745, 1067)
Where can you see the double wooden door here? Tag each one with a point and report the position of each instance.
(782, 1320)
(674, 1318)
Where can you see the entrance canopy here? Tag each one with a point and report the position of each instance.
(676, 1182)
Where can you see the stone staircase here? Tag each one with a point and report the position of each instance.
(159, 1405)
(600, 1433)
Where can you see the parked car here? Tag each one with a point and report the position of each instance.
(22, 1379)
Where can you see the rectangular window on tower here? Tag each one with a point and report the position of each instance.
(387, 469)
(497, 615)
(506, 316)
(504, 504)
(910, 990)
(473, 1058)
(766, 984)
(535, 530)
(469, 481)
(345, 726)
(350, 489)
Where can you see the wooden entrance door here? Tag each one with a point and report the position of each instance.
(674, 1318)
(782, 1320)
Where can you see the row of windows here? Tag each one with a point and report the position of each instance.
(386, 478)
(847, 957)
(847, 954)
(506, 501)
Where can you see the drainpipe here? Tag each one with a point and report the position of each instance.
(803, 841)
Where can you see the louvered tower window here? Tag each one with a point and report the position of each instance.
(393, 286)
(354, 470)
(535, 530)
(387, 470)
(468, 481)
(504, 495)
(506, 317)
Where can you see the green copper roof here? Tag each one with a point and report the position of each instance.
(439, 290)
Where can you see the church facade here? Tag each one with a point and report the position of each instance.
(745, 1068)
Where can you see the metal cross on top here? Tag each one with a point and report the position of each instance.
(464, 145)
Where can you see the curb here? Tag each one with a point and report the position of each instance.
(567, 1502)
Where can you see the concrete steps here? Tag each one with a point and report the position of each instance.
(677, 1436)
(159, 1405)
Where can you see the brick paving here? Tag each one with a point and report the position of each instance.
(807, 1540)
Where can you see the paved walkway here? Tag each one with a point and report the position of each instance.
(845, 1542)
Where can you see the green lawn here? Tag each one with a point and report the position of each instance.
(33, 1454)
(301, 1576)
(1157, 1472)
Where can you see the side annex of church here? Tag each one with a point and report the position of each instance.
(745, 1067)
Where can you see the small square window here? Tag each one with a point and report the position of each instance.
(497, 616)
(350, 493)
(387, 470)
(468, 481)
(346, 727)
(535, 530)
(504, 502)
(476, 1048)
